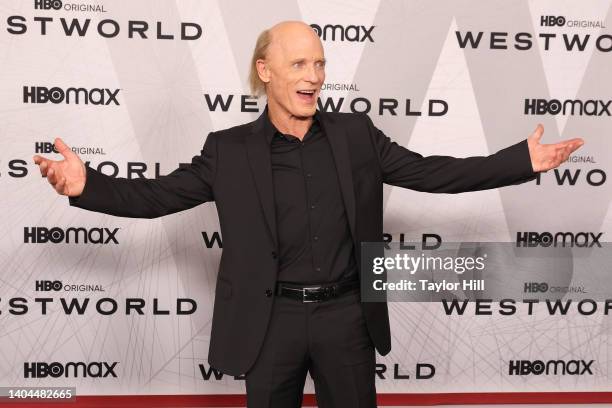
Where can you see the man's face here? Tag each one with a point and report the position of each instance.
(295, 66)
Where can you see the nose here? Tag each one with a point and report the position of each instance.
(311, 74)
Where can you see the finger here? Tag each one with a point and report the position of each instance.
(570, 148)
(570, 145)
(44, 167)
(537, 133)
(555, 156)
(568, 151)
(51, 176)
(63, 149)
(573, 142)
(559, 158)
(37, 159)
(60, 186)
(565, 153)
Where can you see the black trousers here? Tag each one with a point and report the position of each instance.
(328, 339)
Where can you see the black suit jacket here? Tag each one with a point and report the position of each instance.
(234, 170)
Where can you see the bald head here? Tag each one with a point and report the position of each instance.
(289, 65)
(292, 31)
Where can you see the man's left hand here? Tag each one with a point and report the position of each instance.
(549, 156)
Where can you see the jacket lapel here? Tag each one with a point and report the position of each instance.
(338, 142)
(258, 151)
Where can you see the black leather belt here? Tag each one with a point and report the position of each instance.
(319, 293)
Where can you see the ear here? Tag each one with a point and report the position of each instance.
(262, 70)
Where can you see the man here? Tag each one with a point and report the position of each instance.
(297, 191)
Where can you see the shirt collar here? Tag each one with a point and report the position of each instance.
(270, 130)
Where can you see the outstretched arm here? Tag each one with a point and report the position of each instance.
(87, 188)
(444, 174)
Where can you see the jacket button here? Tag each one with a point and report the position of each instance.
(274, 255)
(268, 292)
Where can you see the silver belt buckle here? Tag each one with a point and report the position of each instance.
(304, 300)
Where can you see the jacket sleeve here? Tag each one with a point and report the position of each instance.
(184, 188)
(444, 174)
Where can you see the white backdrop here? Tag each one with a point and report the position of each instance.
(159, 115)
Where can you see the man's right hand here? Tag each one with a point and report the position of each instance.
(66, 176)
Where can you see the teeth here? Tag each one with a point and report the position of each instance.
(306, 92)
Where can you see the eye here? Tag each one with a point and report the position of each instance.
(298, 64)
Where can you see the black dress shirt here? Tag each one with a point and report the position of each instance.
(315, 244)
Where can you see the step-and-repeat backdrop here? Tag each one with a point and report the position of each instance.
(123, 306)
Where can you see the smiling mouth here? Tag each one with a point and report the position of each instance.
(307, 95)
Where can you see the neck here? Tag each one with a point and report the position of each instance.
(286, 123)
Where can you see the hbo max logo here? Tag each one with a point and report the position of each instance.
(564, 239)
(72, 369)
(573, 107)
(56, 235)
(56, 95)
(551, 367)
